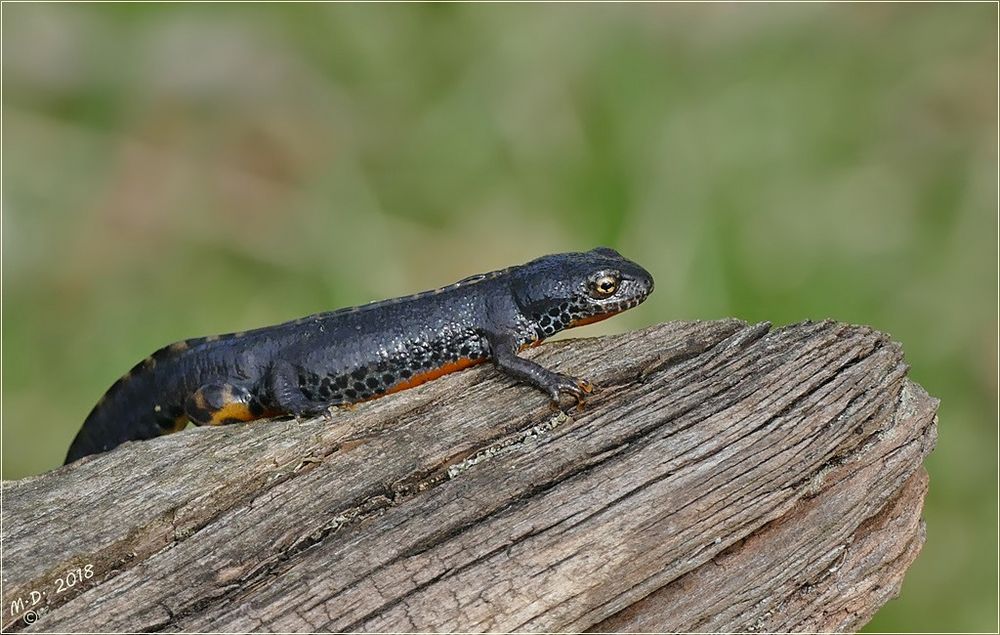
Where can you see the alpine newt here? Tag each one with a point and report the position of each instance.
(305, 366)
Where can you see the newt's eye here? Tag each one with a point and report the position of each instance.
(604, 285)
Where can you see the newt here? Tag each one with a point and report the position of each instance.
(304, 367)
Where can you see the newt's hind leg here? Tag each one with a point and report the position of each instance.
(285, 394)
(219, 404)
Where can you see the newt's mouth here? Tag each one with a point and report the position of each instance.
(590, 319)
(615, 309)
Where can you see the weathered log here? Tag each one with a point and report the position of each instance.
(724, 477)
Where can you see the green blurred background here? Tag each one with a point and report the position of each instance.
(179, 170)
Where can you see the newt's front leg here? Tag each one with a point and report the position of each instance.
(503, 349)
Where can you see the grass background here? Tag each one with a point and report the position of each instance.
(178, 170)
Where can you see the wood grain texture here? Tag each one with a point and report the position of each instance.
(724, 477)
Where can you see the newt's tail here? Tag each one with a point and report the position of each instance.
(128, 411)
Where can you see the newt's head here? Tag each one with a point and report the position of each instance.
(565, 290)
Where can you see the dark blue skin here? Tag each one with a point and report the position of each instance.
(303, 367)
